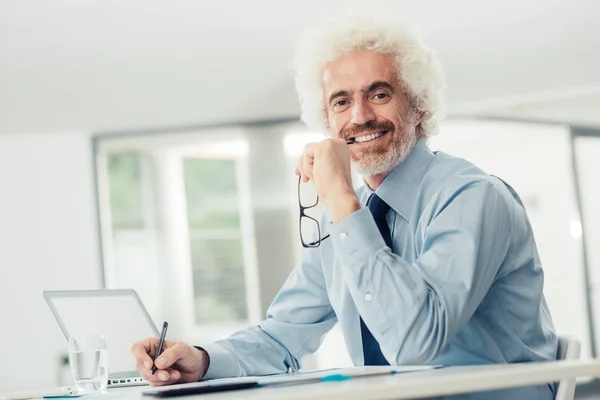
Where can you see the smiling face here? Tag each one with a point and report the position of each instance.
(365, 105)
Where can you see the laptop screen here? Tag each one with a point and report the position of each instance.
(117, 314)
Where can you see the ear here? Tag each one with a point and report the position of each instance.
(419, 117)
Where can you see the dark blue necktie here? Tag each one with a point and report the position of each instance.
(371, 349)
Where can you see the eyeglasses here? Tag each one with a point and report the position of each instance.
(308, 224)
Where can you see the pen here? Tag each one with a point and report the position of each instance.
(335, 378)
(61, 392)
(160, 344)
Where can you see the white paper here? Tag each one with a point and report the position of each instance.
(354, 372)
(304, 377)
(38, 394)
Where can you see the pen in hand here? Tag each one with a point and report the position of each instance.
(160, 345)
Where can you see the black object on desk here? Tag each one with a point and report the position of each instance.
(210, 388)
(161, 342)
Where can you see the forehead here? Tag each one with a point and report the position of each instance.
(357, 69)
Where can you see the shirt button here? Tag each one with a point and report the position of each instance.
(368, 297)
(343, 236)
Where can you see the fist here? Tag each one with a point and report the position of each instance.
(327, 164)
(178, 363)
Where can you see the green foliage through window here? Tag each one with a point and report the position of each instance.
(124, 180)
(215, 239)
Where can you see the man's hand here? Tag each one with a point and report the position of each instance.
(178, 363)
(327, 164)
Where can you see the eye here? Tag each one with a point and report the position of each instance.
(381, 96)
(340, 105)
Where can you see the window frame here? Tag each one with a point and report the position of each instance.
(167, 151)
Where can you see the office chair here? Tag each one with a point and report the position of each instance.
(569, 348)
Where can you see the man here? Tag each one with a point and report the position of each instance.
(432, 261)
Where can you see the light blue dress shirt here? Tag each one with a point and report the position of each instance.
(462, 284)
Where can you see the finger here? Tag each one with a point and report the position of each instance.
(154, 380)
(144, 350)
(141, 350)
(307, 167)
(339, 141)
(305, 163)
(166, 377)
(298, 170)
(169, 375)
(171, 355)
(142, 368)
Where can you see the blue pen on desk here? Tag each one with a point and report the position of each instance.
(335, 378)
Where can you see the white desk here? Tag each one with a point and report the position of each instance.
(413, 385)
(438, 382)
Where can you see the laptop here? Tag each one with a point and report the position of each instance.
(118, 314)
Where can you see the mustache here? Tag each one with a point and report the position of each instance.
(357, 130)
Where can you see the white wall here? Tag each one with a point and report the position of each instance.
(86, 65)
(588, 165)
(48, 240)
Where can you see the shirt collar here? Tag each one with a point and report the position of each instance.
(400, 187)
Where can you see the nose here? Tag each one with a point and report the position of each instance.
(362, 112)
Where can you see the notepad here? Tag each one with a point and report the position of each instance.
(339, 374)
(328, 375)
(201, 388)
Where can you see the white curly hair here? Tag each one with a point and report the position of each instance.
(420, 73)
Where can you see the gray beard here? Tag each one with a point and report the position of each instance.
(376, 164)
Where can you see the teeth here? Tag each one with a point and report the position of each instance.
(366, 138)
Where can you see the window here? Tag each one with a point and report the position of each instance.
(124, 172)
(215, 240)
(174, 220)
(130, 236)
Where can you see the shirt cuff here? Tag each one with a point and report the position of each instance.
(222, 364)
(356, 237)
